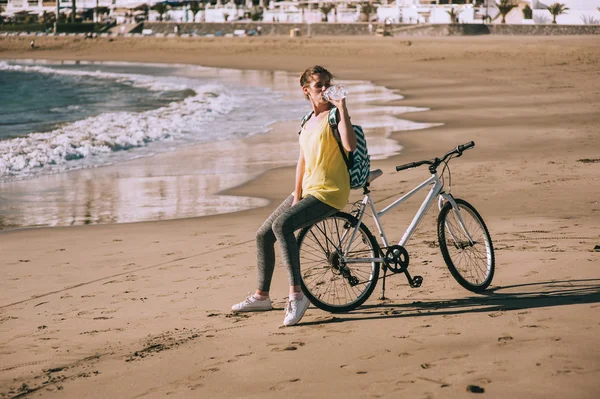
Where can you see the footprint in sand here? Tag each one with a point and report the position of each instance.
(505, 339)
(388, 312)
(294, 346)
(284, 384)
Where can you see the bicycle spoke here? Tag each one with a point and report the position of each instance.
(325, 274)
(467, 248)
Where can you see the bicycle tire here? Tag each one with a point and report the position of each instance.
(477, 271)
(329, 285)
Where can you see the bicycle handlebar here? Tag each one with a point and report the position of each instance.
(434, 163)
(411, 165)
(466, 146)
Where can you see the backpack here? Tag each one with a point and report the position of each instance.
(358, 161)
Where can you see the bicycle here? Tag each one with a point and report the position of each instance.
(341, 258)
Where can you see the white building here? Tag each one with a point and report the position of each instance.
(398, 11)
(580, 12)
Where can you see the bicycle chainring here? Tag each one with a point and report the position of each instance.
(396, 258)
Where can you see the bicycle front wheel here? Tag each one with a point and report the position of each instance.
(327, 280)
(467, 248)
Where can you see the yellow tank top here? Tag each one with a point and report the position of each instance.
(325, 173)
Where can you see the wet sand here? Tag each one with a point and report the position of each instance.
(174, 179)
(142, 309)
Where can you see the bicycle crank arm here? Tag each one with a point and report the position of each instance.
(414, 282)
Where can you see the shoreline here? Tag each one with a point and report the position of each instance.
(142, 309)
(236, 169)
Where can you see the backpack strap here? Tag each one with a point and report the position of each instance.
(333, 118)
(333, 123)
(304, 120)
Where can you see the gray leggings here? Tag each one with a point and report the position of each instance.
(280, 226)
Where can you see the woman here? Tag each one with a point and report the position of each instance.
(322, 188)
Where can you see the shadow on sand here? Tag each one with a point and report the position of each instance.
(513, 297)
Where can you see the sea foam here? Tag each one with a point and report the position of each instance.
(205, 115)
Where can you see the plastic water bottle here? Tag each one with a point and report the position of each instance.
(335, 92)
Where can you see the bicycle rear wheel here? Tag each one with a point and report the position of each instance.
(328, 282)
(470, 262)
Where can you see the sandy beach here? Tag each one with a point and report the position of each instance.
(142, 309)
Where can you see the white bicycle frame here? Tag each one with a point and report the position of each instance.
(436, 190)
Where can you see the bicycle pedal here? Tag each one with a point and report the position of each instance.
(416, 282)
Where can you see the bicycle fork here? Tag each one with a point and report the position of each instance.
(461, 222)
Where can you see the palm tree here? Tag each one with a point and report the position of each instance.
(100, 10)
(368, 9)
(504, 7)
(556, 9)
(326, 9)
(303, 7)
(527, 12)
(161, 9)
(256, 13)
(453, 15)
(74, 13)
(195, 8)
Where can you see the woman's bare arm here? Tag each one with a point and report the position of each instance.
(299, 178)
(345, 126)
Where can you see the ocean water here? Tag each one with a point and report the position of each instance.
(88, 143)
(62, 117)
(35, 101)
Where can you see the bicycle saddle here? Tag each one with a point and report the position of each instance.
(374, 174)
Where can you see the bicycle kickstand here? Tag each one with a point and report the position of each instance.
(383, 298)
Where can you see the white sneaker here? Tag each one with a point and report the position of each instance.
(295, 310)
(251, 304)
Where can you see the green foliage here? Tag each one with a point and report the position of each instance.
(195, 8)
(527, 12)
(161, 9)
(326, 9)
(49, 18)
(256, 13)
(21, 27)
(454, 13)
(556, 9)
(368, 9)
(505, 6)
(102, 10)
